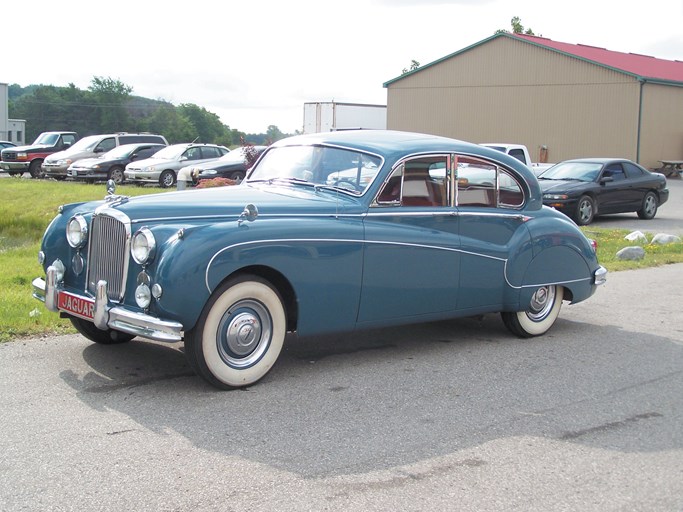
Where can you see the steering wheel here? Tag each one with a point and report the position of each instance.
(348, 184)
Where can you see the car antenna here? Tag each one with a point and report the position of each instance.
(195, 140)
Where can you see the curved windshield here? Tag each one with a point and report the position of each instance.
(85, 144)
(47, 139)
(579, 171)
(119, 152)
(348, 170)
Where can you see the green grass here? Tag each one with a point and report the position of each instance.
(28, 206)
(610, 241)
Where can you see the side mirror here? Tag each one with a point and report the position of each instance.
(98, 150)
(606, 179)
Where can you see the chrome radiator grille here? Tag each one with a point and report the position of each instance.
(109, 252)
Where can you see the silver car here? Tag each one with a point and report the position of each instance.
(163, 167)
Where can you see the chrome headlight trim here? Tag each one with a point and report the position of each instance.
(143, 246)
(77, 231)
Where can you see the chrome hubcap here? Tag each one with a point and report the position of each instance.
(541, 303)
(244, 333)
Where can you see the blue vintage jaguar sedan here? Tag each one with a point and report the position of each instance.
(329, 233)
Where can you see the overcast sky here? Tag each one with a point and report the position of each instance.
(255, 63)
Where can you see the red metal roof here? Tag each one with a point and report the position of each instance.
(640, 65)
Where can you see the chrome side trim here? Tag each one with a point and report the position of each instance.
(386, 242)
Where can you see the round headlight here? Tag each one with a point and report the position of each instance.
(77, 231)
(142, 246)
(143, 296)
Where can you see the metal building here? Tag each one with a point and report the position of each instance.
(12, 130)
(561, 100)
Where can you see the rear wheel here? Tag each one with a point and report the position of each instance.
(167, 179)
(649, 207)
(585, 211)
(543, 311)
(108, 337)
(35, 169)
(239, 335)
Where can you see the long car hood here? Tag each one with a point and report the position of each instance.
(561, 186)
(226, 202)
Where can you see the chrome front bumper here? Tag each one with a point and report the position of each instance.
(108, 315)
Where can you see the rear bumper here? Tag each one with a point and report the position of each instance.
(107, 315)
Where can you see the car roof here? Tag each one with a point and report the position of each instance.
(382, 141)
(598, 160)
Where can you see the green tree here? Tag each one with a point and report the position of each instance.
(517, 27)
(110, 96)
(168, 121)
(413, 66)
(207, 125)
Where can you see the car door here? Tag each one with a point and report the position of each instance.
(489, 200)
(613, 195)
(411, 252)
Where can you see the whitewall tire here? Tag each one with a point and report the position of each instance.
(239, 335)
(540, 316)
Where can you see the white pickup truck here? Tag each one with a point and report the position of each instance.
(521, 153)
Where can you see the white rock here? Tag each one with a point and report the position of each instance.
(631, 253)
(663, 239)
(636, 236)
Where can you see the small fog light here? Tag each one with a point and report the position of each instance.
(41, 257)
(157, 291)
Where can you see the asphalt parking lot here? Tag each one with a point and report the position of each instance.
(455, 415)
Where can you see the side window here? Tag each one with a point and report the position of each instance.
(424, 182)
(480, 183)
(193, 153)
(614, 171)
(69, 139)
(632, 171)
(210, 152)
(518, 154)
(106, 145)
(476, 183)
(145, 152)
(391, 192)
(509, 191)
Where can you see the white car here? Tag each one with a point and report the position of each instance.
(163, 167)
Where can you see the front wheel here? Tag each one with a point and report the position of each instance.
(167, 179)
(540, 316)
(108, 337)
(649, 207)
(585, 211)
(35, 169)
(239, 335)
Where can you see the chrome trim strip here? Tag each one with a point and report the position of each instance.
(385, 242)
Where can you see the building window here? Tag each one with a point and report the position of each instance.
(9, 135)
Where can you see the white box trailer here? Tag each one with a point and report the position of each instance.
(332, 116)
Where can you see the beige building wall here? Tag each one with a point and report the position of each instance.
(511, 91)
(661, 134)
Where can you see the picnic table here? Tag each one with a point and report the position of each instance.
(671, 167)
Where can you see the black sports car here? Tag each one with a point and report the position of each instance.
(586, 187)
(233, 165)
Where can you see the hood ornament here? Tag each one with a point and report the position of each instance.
(111, 198)
(249, 213)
